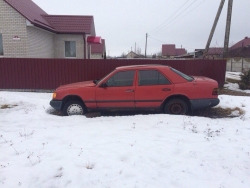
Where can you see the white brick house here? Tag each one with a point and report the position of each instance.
(26, 31)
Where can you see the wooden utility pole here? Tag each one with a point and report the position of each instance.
(146, 45)
(228, 25)
(214, 26)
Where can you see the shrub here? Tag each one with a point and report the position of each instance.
(245, 80)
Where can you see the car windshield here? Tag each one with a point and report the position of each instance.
(99, 80)
(186, 77)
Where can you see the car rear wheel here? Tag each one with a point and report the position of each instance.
(74, 108)
(176, 106)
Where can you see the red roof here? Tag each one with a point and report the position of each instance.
(71, 24)
(54, 23)
(240, 52)
(180, 51)
(29, 10)
(168, 49)
(98, 48)
(243, 43)
(215, 51)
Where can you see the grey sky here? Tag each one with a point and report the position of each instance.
(122, 23)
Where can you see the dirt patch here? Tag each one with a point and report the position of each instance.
(5, 106)
(224, 91)
(220, 112)
(232, 80)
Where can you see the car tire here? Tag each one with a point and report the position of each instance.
(74, 108)
(176, 107)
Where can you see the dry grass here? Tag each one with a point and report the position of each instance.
(220, 112)
(232, 80)
(5, 106)
(224, 91)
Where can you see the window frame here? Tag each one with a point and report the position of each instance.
(65, 48)
(158, 84)
(183, 75)
(118, 73)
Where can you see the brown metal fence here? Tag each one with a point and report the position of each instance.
(48, 74)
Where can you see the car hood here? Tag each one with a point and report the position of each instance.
(77, 85)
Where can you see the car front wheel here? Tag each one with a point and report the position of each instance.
(176, 106)
(74, 108)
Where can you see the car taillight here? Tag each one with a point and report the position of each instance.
(54, 95)
(215, 91)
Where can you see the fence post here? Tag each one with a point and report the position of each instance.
(231, 65)
(242, 65)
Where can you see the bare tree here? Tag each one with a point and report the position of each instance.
(138, 50)
(159, 54)
(123, 54)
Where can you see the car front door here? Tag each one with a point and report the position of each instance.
(117, 91)
(152, 89)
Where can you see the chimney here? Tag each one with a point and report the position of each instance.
(246, 37)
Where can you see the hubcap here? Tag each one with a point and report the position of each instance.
(75, 109)
(176, 108)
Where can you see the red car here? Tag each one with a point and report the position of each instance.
(138, 87)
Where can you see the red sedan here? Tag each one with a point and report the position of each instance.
(138, 87)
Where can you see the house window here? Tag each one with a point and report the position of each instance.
(70, 48)
(1, 44)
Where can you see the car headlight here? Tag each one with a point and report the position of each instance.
(54, 95)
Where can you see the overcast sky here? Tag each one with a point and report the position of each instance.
(186, 23)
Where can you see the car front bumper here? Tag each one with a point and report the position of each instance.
(56, 104)
(203, 103)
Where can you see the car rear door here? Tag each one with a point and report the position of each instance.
(152, 88)
(117, 91)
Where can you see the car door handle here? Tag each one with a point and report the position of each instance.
(129, 90)
(166, 89)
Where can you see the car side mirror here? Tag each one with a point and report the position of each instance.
(103, 85)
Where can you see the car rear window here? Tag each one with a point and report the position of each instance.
(152, 77)
(186, 77)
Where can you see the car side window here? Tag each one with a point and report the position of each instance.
(152, 77)
(124, 78)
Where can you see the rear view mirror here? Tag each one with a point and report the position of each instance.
(103, 85)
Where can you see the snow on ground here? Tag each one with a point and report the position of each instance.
(43, 150)
(233, 75)
(235, 87)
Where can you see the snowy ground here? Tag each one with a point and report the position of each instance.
(43, 150)
(233, 75)
(234, 86)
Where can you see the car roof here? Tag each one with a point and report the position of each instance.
(143, 66)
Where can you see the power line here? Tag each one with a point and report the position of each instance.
(169, 17)
(175, 17)
(187, 13)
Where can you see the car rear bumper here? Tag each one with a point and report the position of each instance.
(203, 103)
(56, 104)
